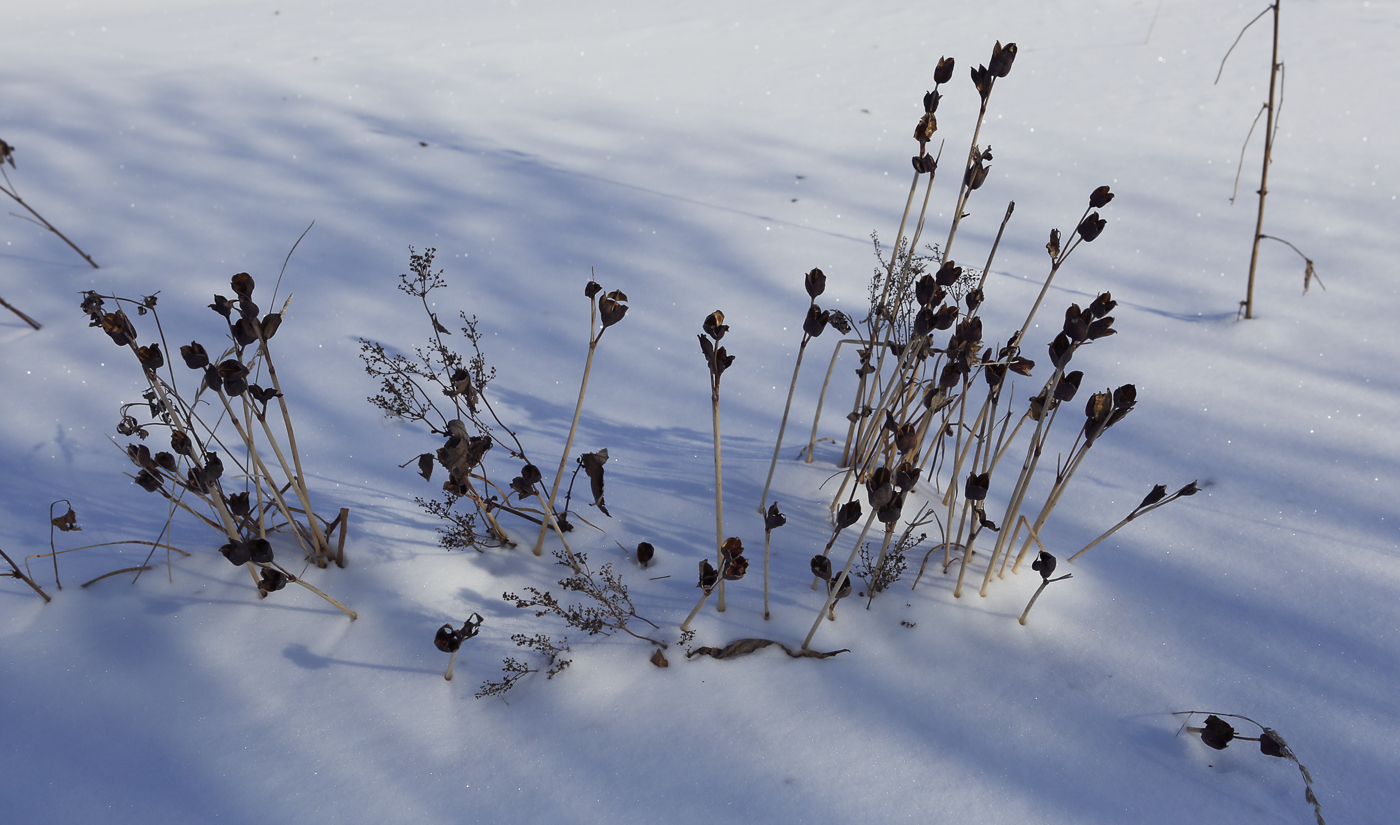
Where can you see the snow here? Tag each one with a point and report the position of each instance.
(703, 156)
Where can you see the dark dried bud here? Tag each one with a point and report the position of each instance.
(166, 462)
(1102, 328)
(974, 299)
(447, 640)
(238, 504)
(147, 481)
(931, 100)
(945, 316)
(222, 305)
(815, 283)
(977, 486)
(591, 289)
(645, 553)
(709, 576)
(1068, 386)
(272, 580)
(1091, 227)
(1044, 564)
(847, 514)
(879, 490)
(612, 307)
(260, 551)
(982, 79)
(1100, 197)
(1189, 490)
(243, 333)
(1076, 323)
(821, 567)
(816, 321)
(181, 444)
(195, 356)
(242, 284)
(1158, 493)
(714, 325)
(1217, 732)
(237, 552)
(773, 519)
(271, 322)
(948, 274)
(1002, 58)
(1061, 350)
(150, 357)
(944, 72)
(1102, 305)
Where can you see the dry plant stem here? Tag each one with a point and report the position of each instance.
(821, 399)
(451, 663)
(347, 611)
(782, 427)
(963, 191)
(1033, 451)
(1050, 502)
(9, 189)
(12, 308)
(1120, 525)
(719, 491)
(839, 580)
(1043, 584)
(1264, 175)
(695, 611)
(298, 479)
(551, 522)
(139, 569)
(593, 340)
(21, 574)
(311, 552)
(767, 539)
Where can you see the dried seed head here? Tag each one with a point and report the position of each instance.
(1217, 732)
(612, 307)
(773, 519)
(848, 514)
(709, 576)
(1100, 197)
(196, 358)
(977, 486)
(591, 289)
(272, 580)
(1044, 564)
(1061, 350)
(714, 325)
(645, 553)
(1158, 493)
(821, 567)
(1054, 246)
(1068, 386)
(1102, 305)
(816, 322)
(1002, 58)
(242, 284)
(1091, 227)
(944, 72)
(931, 100)
(948, 274)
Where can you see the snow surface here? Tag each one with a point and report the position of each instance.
(703, 156)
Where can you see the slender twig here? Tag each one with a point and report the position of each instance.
(20, 574)
(12, 308)
(9, 189)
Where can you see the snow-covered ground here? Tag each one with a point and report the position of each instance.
(702, 157)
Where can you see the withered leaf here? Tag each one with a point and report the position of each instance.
(425, 466)
(68, 522)
(593, 466)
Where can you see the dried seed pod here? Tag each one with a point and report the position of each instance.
(242, 284)
(1102, 305)
(714, 325)
(1158, 493)
(1101, 328)
(222, 305)
(815, 283)
(821, 567)
(1044, 564)
(982, 79)
(213, 468)
(948, 274)
(1061, 350)
(945, 316)
(612, 307)
(272, 580)
(944, 72)
(773, 519)
(238, 504)
(196, 358)
(879, 490)
(591, 288)
(840, 320)
(166, 462)
(977, 486)
(931, 100)
(1189, 490)
(1091, 227)
(1002, 58)
(645, 553)
(709, 576)
(147, 481)
(1217, 732)
(1069, 385)
(237, 552)
(1100, 197)
(1054, 246)
(272, 322)
(816, 321)
(446, 639)
(260, 551)
(848, 514)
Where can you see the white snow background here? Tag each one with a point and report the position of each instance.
(704, 156)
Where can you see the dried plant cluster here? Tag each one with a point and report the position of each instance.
(1216, 733)
(445, 389)
(248, 485)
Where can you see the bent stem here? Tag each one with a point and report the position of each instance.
(1043, 584)
(20, 574)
